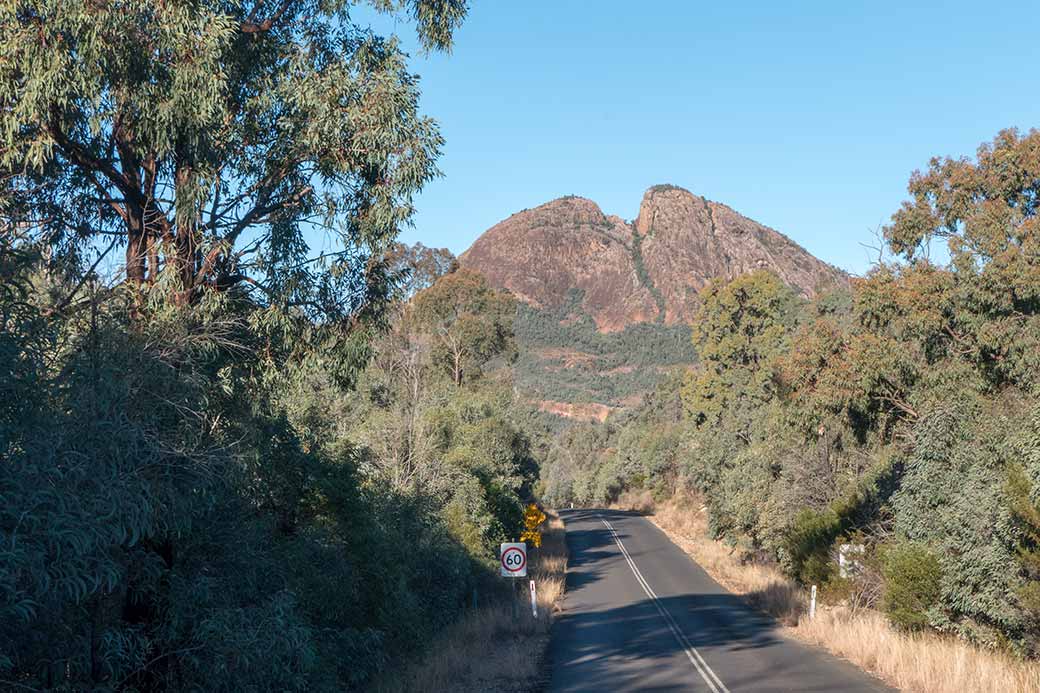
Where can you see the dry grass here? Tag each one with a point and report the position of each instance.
(473, 654)
(923, 663)
(639, 501)
(926, 663)
(762, 586)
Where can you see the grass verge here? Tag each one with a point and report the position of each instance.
(487, 650)
(921, 662)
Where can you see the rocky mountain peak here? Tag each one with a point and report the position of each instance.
(663, 203)
(650, 270)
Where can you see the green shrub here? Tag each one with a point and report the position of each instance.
(809, 540)
(912, 585)
(808, 543)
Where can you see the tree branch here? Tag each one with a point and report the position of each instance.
(252, 26)
(83, 280)
(253, 216)
(84, 159)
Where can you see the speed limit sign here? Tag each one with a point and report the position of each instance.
(513, 558)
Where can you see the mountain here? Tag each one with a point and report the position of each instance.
(606, 303)
(649, 270)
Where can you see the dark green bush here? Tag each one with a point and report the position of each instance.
(912, 585)
(810, 539)
(808, 543)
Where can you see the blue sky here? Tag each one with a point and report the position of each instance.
(807, 116)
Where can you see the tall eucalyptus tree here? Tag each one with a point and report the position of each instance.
(205, 137)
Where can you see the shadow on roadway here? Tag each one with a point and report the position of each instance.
(631, 647)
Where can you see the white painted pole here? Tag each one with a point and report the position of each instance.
(812, 604)
(534, 601)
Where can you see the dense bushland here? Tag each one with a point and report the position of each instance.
(229, 461)
(903, 415)
(193, 499)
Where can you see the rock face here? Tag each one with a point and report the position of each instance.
(649, 270)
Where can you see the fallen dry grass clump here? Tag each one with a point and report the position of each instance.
(638, 501)
(487, 650)
(923, 662)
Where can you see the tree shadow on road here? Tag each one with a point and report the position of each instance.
(631, 646)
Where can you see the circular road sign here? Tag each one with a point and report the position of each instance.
(514, 560)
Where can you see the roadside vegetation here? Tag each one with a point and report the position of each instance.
(489, 650)
(188, 498)
(914, 661)
(901, 417)
(229, 462)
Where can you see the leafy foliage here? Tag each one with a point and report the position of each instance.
(241, 468)
(1025, 512)
(171, 484)
(912, 585)
(467, 321)
(207, 137)
(417, 267)
(740, 325)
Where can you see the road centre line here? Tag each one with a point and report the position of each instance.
(706, 672)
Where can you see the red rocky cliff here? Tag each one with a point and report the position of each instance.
(649, 270)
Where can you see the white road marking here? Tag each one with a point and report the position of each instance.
(709, 676)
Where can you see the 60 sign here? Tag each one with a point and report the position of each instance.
(513, 559)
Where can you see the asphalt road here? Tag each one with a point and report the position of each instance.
(639, 615)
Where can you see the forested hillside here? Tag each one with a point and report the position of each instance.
(229, 462)
(903, 415)
(564, 360)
